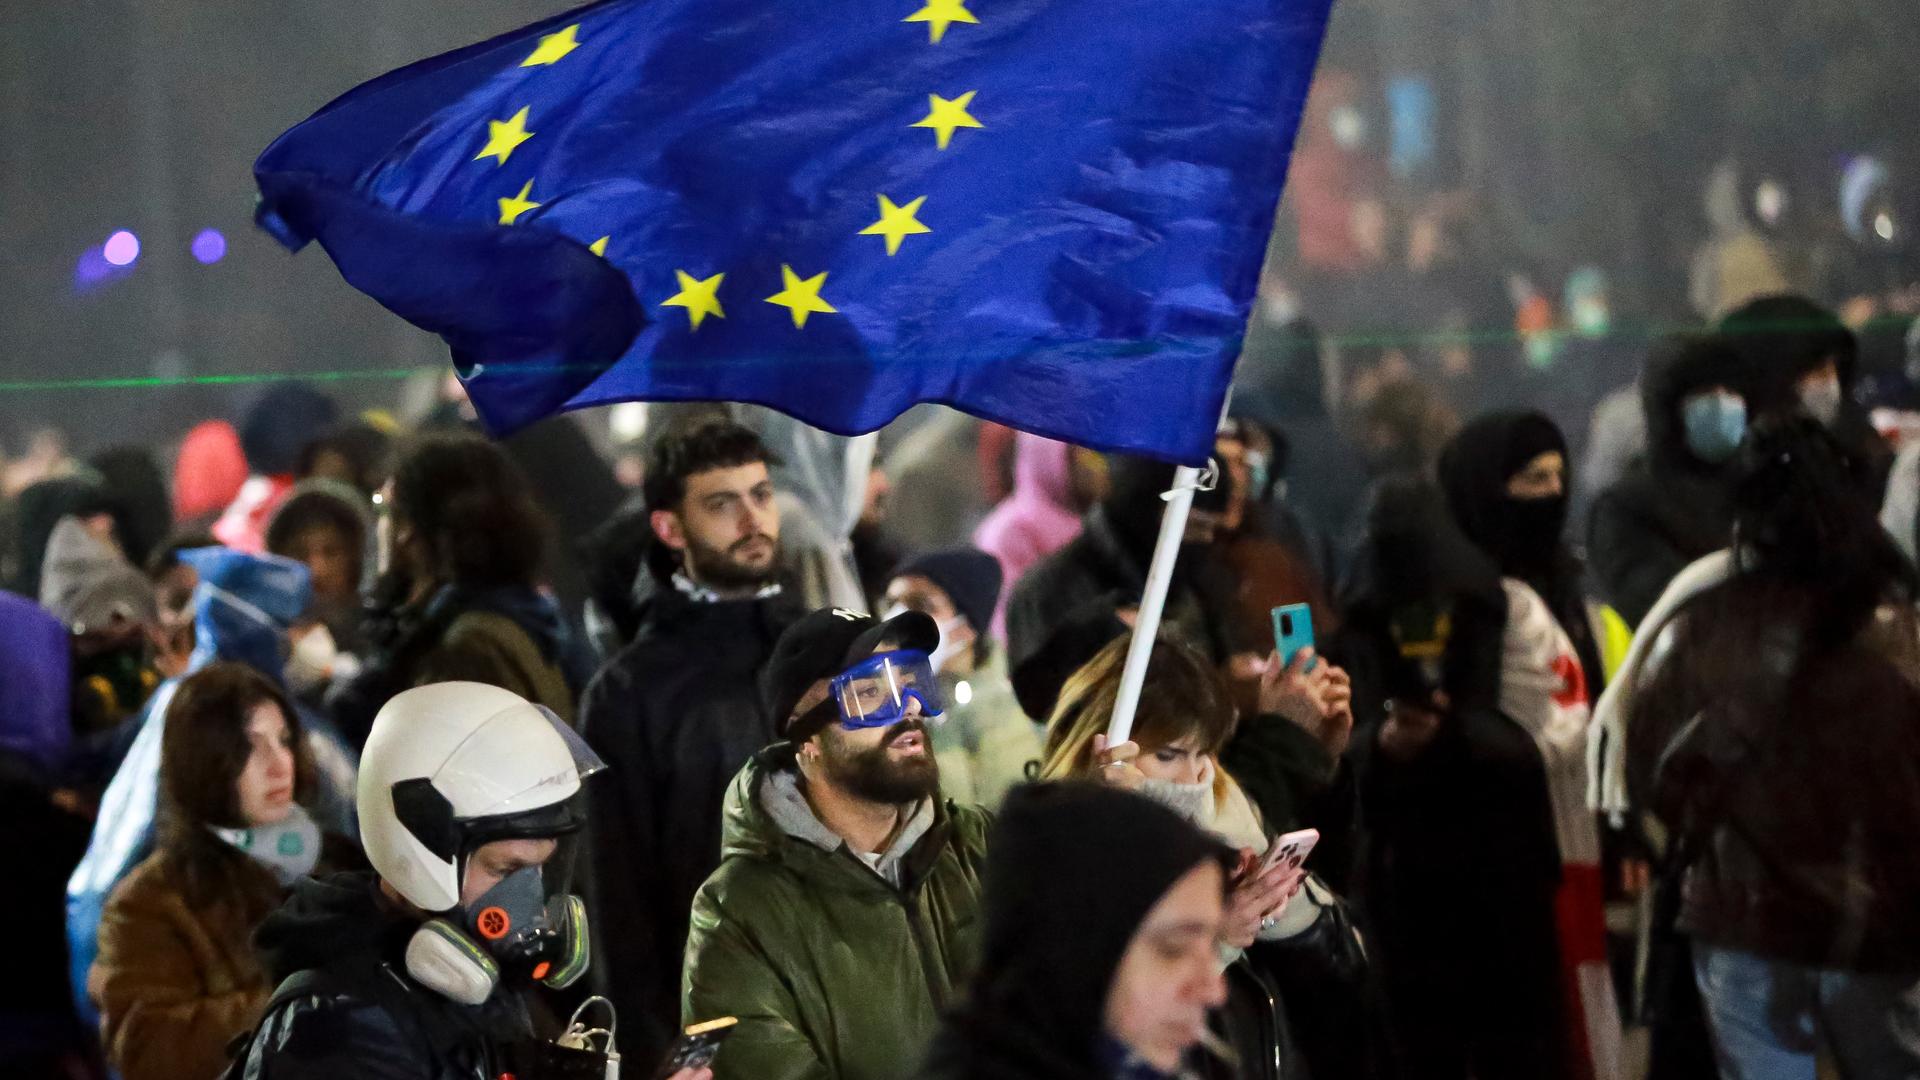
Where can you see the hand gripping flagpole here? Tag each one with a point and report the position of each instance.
(1146, 626)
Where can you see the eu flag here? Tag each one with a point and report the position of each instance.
(1049, 213)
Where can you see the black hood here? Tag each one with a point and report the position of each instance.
(1474, 470)
(38, 509)
(328, 920)
(1036, 1006)
(1413, 568)
(1677, 368)
(1781, 338)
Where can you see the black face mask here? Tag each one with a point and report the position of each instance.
(1529, 534)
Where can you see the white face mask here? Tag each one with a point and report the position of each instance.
(290, 849)
(311, 663)
(955, 634)
(1821, 400)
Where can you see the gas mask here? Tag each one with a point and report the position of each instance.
(511, 932)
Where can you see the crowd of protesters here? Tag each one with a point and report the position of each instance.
(818, 733)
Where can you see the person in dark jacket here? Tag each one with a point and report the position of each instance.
(1507, 483)
(1470, 960)
(418, 970)
(1674, 505)
(1803, 360)
(1799, 674)
(1071, 990)
(1092, 587)
(176, 979)
(41, 1037)
(845, 912)
(458, 597)
(676, 713)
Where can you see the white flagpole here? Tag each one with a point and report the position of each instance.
(1146, 627)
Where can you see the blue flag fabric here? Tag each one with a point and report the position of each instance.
(1048, 213)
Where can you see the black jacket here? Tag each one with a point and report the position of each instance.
(1061, 612)
(675, 715)
(365, 1016)
(1670, 508)
(1465, 956)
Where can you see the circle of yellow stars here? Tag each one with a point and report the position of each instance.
(699, 296)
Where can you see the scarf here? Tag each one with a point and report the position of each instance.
(1543, 688)
(289, 850)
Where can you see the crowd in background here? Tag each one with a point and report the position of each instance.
(1712, 568)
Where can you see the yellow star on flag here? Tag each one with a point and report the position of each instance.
(948, 116)
(801, 297)
(554, 46)
(940, 14)
(701, 298)
(599, 247)
(511, 209)
(504, 136)
(897, 223)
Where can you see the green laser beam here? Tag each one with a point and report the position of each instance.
(1359, 339)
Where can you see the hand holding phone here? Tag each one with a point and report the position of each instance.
(1263, 888)
(1290, 849)
(696, 1047)
(1293, 633)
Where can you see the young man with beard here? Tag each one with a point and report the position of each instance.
(845, 914)
(675, 714)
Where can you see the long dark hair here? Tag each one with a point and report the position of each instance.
(473, 511)
(1802, 520)
(202, 754)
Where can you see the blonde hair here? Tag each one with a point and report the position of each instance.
(1183, 697)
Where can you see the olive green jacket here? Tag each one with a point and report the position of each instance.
(833, 972)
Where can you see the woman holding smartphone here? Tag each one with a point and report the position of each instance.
(1290, 944)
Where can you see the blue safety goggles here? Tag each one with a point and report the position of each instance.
(874, 693)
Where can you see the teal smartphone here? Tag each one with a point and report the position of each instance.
(1293, 632)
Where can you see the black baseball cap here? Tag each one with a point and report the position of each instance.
(823, 643)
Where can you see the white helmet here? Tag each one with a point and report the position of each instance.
(454, 765)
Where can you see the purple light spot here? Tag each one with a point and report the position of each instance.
(209, 246)
(122, 248)
(92, 269)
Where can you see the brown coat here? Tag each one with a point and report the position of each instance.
(174, 983)
(1798, 780)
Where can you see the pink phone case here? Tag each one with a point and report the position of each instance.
(1293, 847)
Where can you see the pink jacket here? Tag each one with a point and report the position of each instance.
(1035, 521)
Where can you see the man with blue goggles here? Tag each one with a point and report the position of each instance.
(882, 689)
(847, 902)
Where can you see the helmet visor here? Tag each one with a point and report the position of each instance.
(877, 691)
(521, 760)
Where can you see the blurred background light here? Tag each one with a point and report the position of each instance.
(122, 248)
